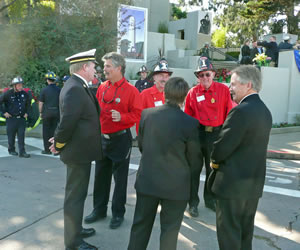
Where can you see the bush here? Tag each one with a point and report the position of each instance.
(163, 27)
(234, 54)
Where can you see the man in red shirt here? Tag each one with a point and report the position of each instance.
(120, 105)
(209, 102)
(154, 96)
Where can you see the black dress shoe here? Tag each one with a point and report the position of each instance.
(211, 205)
(193, 211)
(115, 222)
(24, 155)
(83, 246)
(14, 153)
(45, 152)
(87, 232)
(94, 216)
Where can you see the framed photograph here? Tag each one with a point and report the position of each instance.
(132, 33)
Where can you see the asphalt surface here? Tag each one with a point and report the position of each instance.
(32, 192)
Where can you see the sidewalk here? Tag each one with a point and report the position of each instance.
(32, 192)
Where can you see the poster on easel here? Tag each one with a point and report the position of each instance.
(132, 33)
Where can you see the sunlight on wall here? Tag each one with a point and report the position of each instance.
(262, 222)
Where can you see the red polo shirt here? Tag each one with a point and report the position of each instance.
(152, 98)
(122, 97)
(210, 107)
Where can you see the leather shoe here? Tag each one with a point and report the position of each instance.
(115, 222)
(193, 211)
(94, 216)
(24, 155)
(87, 232)
(211, 205)
(44, 152)
(83, 246)
(14, 153)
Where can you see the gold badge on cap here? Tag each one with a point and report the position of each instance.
(213, 100)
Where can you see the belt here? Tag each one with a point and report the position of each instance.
(210, 129)
(18, 116)
(111, 135)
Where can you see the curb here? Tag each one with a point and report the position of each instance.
(273, 154)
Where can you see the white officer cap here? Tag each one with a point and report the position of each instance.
(83, 57)
(286, 38)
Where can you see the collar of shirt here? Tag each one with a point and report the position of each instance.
(247, 96)
(85, 82)
(118, 83)
(210, 89)
(155, 90)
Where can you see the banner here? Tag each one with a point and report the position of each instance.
(132, 33)
(297, 58)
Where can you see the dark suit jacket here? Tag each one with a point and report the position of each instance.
(169, 142)
(241, 151)
(79, 126)
(271, 49)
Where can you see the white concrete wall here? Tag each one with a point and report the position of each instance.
(287, 60)
(275, 92)
(186, 74)
(158, 11)
(175, 26)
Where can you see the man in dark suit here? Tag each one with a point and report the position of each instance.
(239, 157)
(271, 49)
(169, 142)
(78, 140)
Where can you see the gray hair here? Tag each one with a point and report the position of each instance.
(248, 73)
(75, 67)
(116, 59)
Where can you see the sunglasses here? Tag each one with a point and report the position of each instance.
(202, 75)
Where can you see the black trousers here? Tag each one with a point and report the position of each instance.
(171, 216)
(116, 152)
(78, 176)
(16, 126)
(207, 139)
(49, 126)
(235, 223)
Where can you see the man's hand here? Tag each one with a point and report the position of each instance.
(115, 115)
(25, 115)
(52, 148)
(7, 115)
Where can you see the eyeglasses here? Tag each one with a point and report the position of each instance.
(202, 75)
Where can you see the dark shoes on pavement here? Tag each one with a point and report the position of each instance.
(116, 222)
(24, 155)
(87, 232)
(14, 153)
(193, 211)
(94, 216)
(45, 152)
(83, 246)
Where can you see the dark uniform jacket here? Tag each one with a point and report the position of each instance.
(241, 151)
(50, 97)
(78, 134)
(285, 46)
(143, 84)
(15, 103)
(169, 142)
(271, 49)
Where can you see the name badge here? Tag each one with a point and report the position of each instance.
(200, 98)
(158, 103)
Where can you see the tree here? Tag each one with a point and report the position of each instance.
(219, 38)
(37, 40)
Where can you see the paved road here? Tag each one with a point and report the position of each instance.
(32, 191)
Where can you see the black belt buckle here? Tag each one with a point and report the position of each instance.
(18, 116)
(209, 129)
(109, 136)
